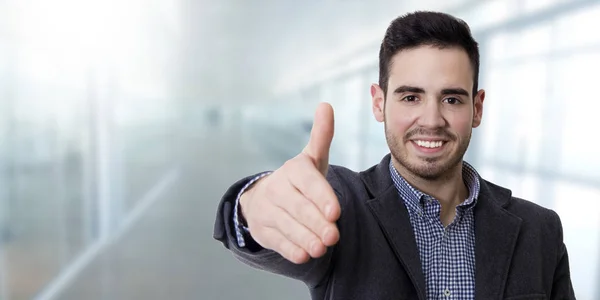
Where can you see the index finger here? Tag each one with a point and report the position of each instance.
(315, 187)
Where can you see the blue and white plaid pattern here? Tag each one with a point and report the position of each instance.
(447, 254)
(239, 228)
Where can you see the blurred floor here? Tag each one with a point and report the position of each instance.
(169, 253)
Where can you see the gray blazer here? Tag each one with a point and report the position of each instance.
(519, 249)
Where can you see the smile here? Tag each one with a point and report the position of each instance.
(429, 144)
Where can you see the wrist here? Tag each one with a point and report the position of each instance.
(247, 196)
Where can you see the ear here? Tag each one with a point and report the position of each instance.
(478, 108)
(378, 99)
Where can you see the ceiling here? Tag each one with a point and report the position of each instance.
(240, 51)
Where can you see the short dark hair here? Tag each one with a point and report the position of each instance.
(426, 28)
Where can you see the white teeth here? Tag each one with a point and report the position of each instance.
(429, 144)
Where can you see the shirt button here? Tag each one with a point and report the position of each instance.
(447, 293)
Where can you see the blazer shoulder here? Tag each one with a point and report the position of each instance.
(530, 210)
(537, 216)
(517, 205)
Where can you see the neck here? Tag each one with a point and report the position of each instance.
(449, 189)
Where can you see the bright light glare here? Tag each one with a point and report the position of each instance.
(74, 35)
(66, 45)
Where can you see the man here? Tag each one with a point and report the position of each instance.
(422, 224)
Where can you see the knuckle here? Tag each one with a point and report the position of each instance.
(305, 181)
(298, 207)
(311, 217)
(292, 232)
(306, 185)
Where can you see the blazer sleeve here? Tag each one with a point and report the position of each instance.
(312, 273)
(562, 288)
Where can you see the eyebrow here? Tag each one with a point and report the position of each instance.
(455, 91)
(409, 89)
(418, 90)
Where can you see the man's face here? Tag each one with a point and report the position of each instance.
(429, 110)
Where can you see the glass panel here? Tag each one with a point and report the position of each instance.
(61, 149)
(486, 14)
(497, 48)
(530, 41)
(49, 214)
(520, 45)
(579, 108)
(143, 143)
(6, 231)
(347, 110)
(530, 6)
(578, 29)
(493, 113)
(513, 112)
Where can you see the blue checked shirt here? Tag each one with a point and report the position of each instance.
(447, 254)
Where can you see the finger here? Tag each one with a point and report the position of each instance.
(305, 212)
(321, 136)
(299, 234)
(315, 187)
(271, 238)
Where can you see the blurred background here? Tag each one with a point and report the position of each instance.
(122, 123)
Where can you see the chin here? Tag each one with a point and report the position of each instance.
(428, 170)
(429, 167)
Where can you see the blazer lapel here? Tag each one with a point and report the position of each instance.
(496, 233)
(392, 215)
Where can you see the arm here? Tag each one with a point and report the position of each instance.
(562, 288)
(251, 253)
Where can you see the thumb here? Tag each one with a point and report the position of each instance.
(321, 136)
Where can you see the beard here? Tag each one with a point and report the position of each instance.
(429, 168)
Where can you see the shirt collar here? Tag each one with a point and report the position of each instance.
(414, 197)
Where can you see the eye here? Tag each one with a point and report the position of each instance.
(410, 98)
(452, 100)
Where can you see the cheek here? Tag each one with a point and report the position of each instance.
(398, 124)
(462, 124)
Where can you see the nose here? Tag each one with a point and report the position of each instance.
(431, 115)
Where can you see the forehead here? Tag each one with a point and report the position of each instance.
(431, 68)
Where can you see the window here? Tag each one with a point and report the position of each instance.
(538, 137)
